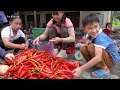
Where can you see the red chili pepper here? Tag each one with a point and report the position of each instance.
(27, 66)
(59, 77)
(22, 73)
(73, 64)
(30, 65)
(26, 63)
(32, 77)
(22, 59)
(66, 77)
(34, 57)
(10, 67)
(55, 64)
(1, 76)
(15, 76)
(33, 64)
(44, 59)
(14, 68)
(53, 76)
(42, 64)
(58, 65)
(35, 54)
(71, 76)
(28, 75)
(43, 74)
(66, 67)
(8, 61)
(46, 71)
(31, 50)
(52, 64)
(20, 69)
(65, 71)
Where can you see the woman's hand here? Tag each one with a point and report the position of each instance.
(9, 56)
(36, 41)
(56, 40)
(77, 72)
(26, 43)
(3, 69)
(22, 46)
(26, 46)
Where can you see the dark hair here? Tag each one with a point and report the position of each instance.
(90, 19)
(107, 24)
(14, 16)
(63, 17)
(56, 12)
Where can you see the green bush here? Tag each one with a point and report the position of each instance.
(116, 22)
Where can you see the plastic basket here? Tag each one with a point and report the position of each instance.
(37, 32)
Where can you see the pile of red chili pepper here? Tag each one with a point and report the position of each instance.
(34, 64)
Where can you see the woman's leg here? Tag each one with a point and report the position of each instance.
(63, 34)
(3, 46)
(52, 33)
(20, 40)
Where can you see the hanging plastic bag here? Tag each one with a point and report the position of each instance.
(47, 46)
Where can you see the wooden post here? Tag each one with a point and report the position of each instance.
(80, 20)
(35, 19)
(26, 25)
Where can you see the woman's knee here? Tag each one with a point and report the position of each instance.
(20, 40)
(52, 32)
(64, 32)
(51, 29)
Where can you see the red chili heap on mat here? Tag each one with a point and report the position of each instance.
(33, 64)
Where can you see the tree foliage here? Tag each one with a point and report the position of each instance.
(116, 18)
(116, 15)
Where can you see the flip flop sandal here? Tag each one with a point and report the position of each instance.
(101, 74)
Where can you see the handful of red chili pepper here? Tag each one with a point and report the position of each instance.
(33, 64)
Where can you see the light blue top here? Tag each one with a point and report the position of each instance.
(107, 43)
